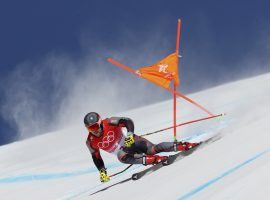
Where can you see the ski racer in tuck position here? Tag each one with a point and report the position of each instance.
(130, 148)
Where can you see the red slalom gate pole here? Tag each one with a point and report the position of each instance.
(179, 23)
(185, 123)
(178, 34)
(174, 115)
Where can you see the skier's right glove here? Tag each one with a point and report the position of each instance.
(129, 140)
(103, 175)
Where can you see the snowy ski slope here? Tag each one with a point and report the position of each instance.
(58, 165)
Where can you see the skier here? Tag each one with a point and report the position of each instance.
(107, 135)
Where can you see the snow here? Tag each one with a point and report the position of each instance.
(58, 165)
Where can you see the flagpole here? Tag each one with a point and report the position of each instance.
(174, 85)
(178, 35)
(174, 113)
(185, 123)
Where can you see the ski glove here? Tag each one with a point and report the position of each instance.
(103, 175)
(129, 140)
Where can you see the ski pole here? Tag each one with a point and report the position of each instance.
(185, 123)
(121, 171)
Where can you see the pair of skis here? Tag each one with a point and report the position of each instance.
(171, 159)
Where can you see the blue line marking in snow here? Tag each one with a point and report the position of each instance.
(49, 176)
(214, 180)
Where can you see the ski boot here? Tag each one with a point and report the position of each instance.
(153, 159)
(185, 146)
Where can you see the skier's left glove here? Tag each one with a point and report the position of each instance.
(129, 140)
(103, 175)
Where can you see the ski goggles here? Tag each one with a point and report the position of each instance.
(93, 128)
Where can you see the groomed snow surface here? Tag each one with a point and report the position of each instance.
(58, 165)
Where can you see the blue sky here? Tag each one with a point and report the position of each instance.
(221, 41)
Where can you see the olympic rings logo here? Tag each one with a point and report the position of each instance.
(105, 143)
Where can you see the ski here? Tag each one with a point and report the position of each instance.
(173, 158)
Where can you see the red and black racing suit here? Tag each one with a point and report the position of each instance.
(112, 141)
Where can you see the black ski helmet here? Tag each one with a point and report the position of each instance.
(92, 118)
